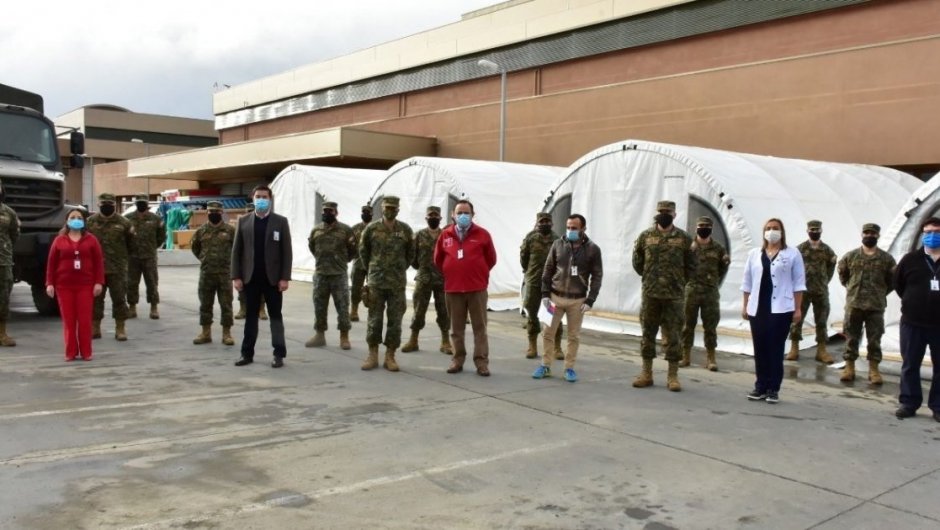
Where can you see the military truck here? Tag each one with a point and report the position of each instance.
(33, 184)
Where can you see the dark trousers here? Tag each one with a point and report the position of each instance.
(914, 343)
(254, 292)
(769, 334)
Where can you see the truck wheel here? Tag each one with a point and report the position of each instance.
(46, 306)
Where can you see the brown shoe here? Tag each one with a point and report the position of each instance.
(483, 371)
(455, 367)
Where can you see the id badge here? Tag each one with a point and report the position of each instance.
(574, 270)
(78, 264)
(459, 253)
(277, 235)
(935, 285)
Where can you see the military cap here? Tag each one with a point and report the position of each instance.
(366, 208)
(141, 198)
(543, 215)
(329, 204)
(434, 209)
(390, 200)
(106, 197)
(665, 205)
(871, 227)
(814, 225)
(704, 220)
(214, 205)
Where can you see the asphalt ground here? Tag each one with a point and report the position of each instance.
(158, 433)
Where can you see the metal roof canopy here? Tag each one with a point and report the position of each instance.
(257, 159)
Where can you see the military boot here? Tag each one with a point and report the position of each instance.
(318, 340)
(848, 373)
(227, 336)
(241, 311)
(5, 340)
(822, 355)
(446, 348)
(794, 353)
(262, 313)
(154, 312)
(686, 359)
(710, 362)
(344, 340)
(96, 329)
(373, 359)
(646, 376)
(390, 363)
(119, 333)
(533, 351)
(672, 377)
(874, 376)
(412, 344)
(354, 313)
(205, 336)
(131, 310)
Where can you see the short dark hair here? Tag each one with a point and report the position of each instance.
(579, 217)
(261, 187)
(464, 201)
(932, 221)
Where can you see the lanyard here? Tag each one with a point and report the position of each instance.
(930, 264)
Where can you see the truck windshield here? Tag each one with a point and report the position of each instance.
(26, 138)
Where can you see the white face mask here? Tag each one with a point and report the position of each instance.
(773, 236)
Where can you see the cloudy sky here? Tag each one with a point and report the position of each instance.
(165, 57)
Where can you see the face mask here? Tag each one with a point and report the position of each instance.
(215, 218)
(463, 220)
(869, 241)
(389, 215)
(262, 205)
(572, 235)
(664, 220)
(545, 229)
(106, 209)
(142, 207)
(931, 239)
(434, 222)
(773, 236)
(328, 218)
(76, 224)
(814, 236)
(366, 217)
(703, 232)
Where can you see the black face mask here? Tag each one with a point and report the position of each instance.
(703, 232)
(142, 206)
(814, 236)
(366, 217)
(433, 222)
(869, 241)
(328, 218)
(215, 218)
(545, 229)
(106, 209)
(664, 220)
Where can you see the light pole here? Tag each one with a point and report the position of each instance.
(488, 64)
(147, 152)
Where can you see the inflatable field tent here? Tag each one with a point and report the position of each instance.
(506, 197)
(616, 187)
(299, 194)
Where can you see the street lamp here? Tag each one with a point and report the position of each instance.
(496, 67)
(147, 149)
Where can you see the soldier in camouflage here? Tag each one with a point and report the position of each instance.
(428, 282)
(820, 262)
(9, 233)
(333, 246)
(386, 249)
(701, 293)
(262, 314)
(149, 233)
(532, 255)
(663, 257)
(212, 245)
(867, 274)
(358, 268)
(116, 235)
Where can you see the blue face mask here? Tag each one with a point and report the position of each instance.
(931, 239)
(463, 220)
(572, 235)
(76, 224)
(262, 205)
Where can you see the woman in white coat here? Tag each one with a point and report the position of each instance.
(773, 286)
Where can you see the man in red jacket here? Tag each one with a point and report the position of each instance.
(465, 254)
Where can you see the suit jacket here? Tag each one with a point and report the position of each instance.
(277, 249)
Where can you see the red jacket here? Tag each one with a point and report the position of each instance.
(468, 273)
(60, 268)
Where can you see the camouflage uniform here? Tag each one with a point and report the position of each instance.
(428, 281)
(701, 293)
(212, 245)
(9, 233)
(386, 253)
(358, 268)
(116, 235)
(867, 280)
(532, 255)
(149, 236)
(820, 264)
(332, 246)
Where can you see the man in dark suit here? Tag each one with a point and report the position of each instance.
(261, 266)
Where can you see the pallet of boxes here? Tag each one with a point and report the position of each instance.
(183, 238)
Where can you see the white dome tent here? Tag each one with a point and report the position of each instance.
(617, 187)
(299, 194)
(505, 196)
